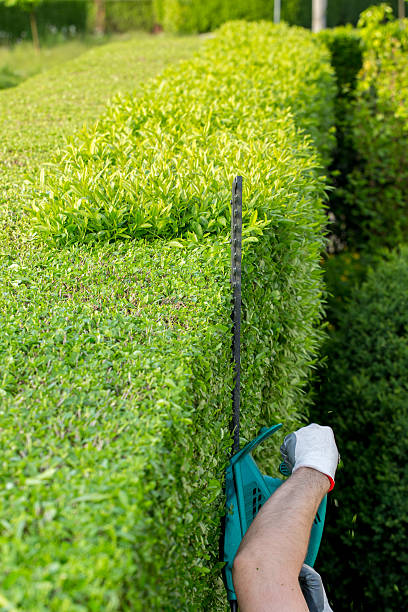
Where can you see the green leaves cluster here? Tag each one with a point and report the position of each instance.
(26, 5)
(161, 165)
(116, 384)
(376, 196)
(114, 363)
(195, 16)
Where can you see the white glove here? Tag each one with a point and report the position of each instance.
(313, 590)
(314, 447)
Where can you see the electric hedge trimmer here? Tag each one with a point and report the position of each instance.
(246, 488)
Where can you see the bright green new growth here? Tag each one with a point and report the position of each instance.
(161, 165)
(117, 382)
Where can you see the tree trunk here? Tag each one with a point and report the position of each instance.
(401, 9)
(34, 31)
(100, 16)
(276, 11)
(319, 15)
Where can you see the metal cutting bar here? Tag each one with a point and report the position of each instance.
(236, 277)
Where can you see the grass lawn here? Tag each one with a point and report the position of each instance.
(20, 61)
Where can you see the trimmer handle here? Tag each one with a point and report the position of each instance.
(247, 489)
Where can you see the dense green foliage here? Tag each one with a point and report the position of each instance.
(126, 15)
(362, 392)
(369, 201)
(340, 12)
(198, 16)
(376, 195)
(118, 180)
(15, 24)
(108, 386)
(344, 44)
(53, 106)
(116, 388)
(364, 397)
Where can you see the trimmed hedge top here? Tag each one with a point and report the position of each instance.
(161, 165)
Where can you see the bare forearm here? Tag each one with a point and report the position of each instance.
(268, 562)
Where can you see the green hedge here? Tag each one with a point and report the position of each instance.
(117, 379)
(369, 202)
(364, 396)
(110, 470)
(161, 165)
(344, 44)
(376, 196)
(125, 15)
(341, 12)
(198, 16)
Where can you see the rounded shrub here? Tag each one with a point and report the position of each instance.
(364, 397)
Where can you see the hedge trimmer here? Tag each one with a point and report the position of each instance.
(247, 489)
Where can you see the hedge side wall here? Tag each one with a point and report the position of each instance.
(345, 46)
(364, 396)
(117, 394)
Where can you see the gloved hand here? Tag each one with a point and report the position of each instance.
(313, 590)
(314, 447)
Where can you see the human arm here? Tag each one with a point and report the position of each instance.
(268, 562)
(267, 565)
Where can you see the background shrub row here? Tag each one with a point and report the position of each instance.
(370, 201)
(173, 15)
(362, 391)
(364, 395)
(15, 23)
(116, 389)
(377, 194)
(196, 16)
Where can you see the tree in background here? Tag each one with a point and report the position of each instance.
(100, 16)
(319, 8)
(29, 6)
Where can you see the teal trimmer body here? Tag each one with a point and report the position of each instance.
(247, 489)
